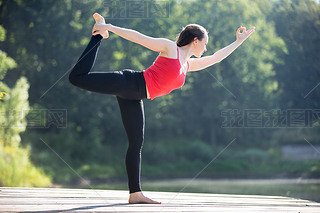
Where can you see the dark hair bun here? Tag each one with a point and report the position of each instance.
(190, 32)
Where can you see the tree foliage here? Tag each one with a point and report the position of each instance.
(277, 67)
(16, 168)
(298, 23)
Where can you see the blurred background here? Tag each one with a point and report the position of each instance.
(248, 125)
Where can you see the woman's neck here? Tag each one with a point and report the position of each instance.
(185, 53)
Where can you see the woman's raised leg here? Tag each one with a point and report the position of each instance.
(120, 83)
(81, 69)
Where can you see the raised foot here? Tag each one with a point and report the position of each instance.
(100, 20)
(139, 198)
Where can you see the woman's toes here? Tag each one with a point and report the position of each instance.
(99, 18)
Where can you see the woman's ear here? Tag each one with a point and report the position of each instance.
(195, 40)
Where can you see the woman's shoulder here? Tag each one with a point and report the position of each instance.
(170, 50)
(168, 43)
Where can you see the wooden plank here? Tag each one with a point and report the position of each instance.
(14, 199)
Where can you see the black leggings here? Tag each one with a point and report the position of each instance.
(130, 88)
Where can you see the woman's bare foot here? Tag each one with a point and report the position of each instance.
(100, 20)
(139, 198)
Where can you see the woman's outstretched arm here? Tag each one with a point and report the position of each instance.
(155, 44)
(201, 63)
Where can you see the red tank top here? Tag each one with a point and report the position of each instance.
(163, 76)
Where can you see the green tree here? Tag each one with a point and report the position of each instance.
(16, 168)
(298, 23)
(46, 37)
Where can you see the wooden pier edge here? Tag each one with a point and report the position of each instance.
(16, 199)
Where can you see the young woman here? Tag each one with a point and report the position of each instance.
(167, 73)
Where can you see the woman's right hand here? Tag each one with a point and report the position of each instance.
(241, 36)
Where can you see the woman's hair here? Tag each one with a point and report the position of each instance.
(190, 32)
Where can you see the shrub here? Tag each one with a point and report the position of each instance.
(17, 170)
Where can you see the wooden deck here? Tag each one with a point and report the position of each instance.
(71, 200)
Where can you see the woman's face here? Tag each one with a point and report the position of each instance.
(200, 46)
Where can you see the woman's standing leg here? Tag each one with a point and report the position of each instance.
(132, 114)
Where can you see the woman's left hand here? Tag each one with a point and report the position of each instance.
(245, 34)
(98, 29)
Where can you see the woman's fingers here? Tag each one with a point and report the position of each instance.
(96, 29)
(95, 32)
(243, 29)
(241, 36)
(238, 31)
(251, 30)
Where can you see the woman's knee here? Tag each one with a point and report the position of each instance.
(72, 79)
